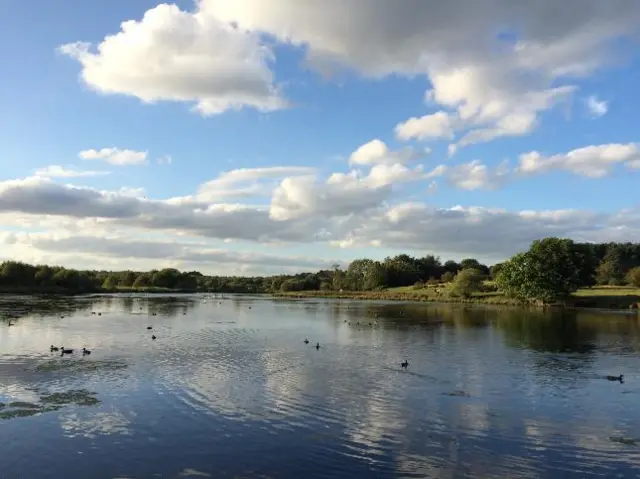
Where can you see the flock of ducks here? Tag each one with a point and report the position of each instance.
(85, 351)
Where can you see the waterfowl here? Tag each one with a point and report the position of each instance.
(54, 348)
(153, 337)
(317, 345)
(405, 364)
(11, 324)
(149, 327)
(85, 351)
(99, 314)
(65, 351)
(615, 378)
(306, 341)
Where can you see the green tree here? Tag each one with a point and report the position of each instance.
(494, 270)
(467, 282)
(447, 276)
(610, 270)
(633, 277)
(548, 272)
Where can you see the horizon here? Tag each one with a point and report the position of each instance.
(236, 139)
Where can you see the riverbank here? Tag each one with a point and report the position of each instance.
(603, 297)
(61, 291)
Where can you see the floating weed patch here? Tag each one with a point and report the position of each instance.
(458, 394)
(49, 403)
(80, 397)
(627, 441)
(16, 413)
(79, 366)
(23, 405)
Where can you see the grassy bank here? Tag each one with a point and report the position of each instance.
(607, 297)
(55, 290)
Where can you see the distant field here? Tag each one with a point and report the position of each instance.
(608, 297)
(608, 291)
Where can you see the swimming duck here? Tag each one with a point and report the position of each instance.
(85, 351)
(306, 341)
(65, 351)
(405, 364)
(149, 327)
(317, 345)
(153, 337)
(615, 378)
(54, 348)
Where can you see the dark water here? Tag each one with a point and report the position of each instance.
(230, 390)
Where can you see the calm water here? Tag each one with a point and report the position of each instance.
(229, 389)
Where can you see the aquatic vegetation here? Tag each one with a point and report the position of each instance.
(48, 403)
(84, 366)
(80, 397)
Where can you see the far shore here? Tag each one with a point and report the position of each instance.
(602, 297)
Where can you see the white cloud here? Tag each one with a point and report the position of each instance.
(175, 55)
(437, 125)
(165, 160)
(491, 87)
(346, 210)
(57, 171)
(595, 161)
(476, 175)
(376, 152)
(597, 108)
(246, 182)
(116, 156)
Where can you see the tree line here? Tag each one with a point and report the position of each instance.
(549, 271)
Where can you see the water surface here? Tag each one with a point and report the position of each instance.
(229, 389)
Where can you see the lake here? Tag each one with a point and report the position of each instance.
(229, 389)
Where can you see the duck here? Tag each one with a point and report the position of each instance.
(405, 364)
(11, 324)
(615, 378)
(65, 351)
(149, 327)
(317, 345)
(306, 341)
(85, 351)
(153, 337)
(54, 348)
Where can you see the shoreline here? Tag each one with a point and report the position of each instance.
(595, 298)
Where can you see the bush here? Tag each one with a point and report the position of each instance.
(467, 282)
(633, 277)
(447, 277)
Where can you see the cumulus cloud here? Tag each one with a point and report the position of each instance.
(116, 156)
(595, 161)
(596, 108)
(345, 211)
(193, 252)
(435, 126)
(492, 85)
(476, 175)
(57, 171)
(176, 55)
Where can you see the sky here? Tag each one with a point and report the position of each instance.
(256, 138)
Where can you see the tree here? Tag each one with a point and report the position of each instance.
(494, 270)
(548, 272)
(633, 277)
(467, 282)
(609, 270)
(447, 276)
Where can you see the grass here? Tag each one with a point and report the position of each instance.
(605, 297)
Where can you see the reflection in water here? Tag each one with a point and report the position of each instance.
(230, 389)
(90, 425)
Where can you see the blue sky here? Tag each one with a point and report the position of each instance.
(286, 96)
